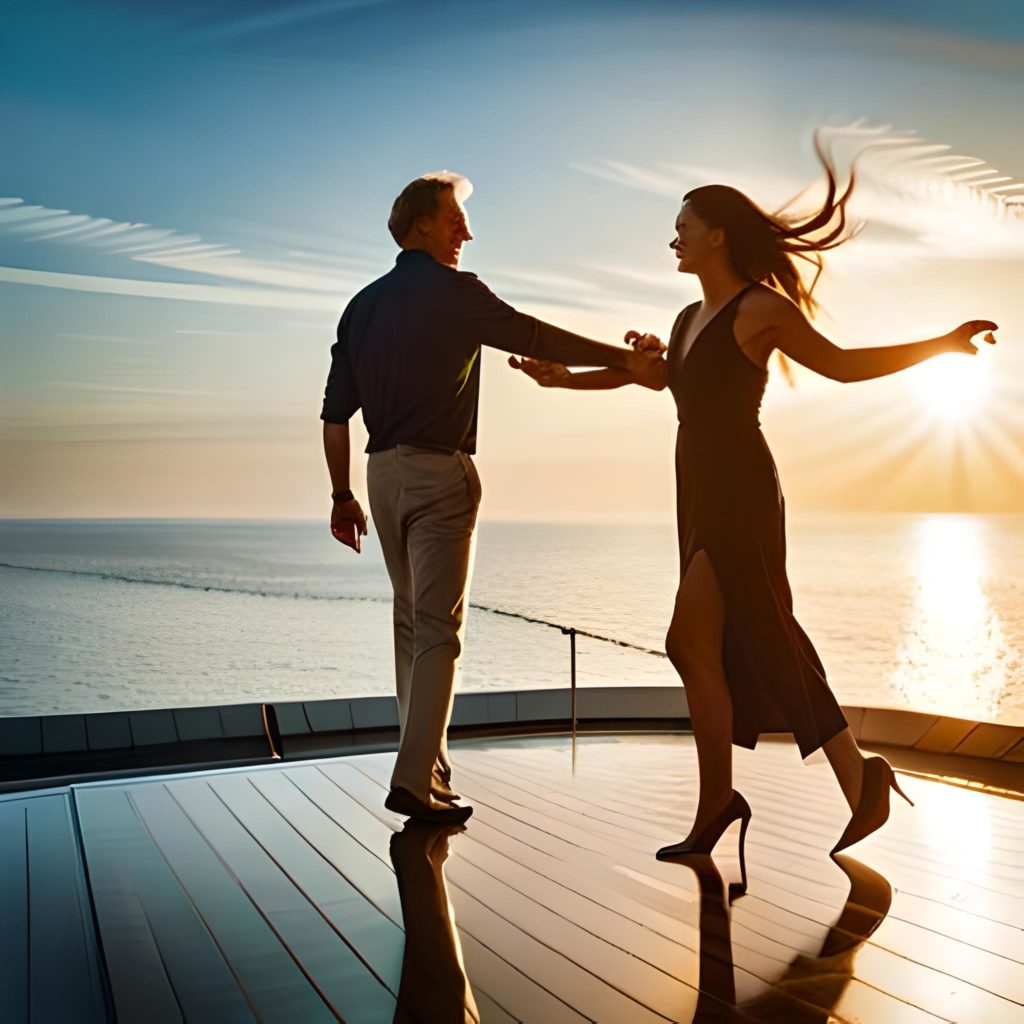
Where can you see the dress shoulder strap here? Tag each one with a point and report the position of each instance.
(679, 326)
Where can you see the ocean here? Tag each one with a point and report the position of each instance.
(917, 611)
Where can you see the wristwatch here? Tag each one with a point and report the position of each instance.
(343, 496)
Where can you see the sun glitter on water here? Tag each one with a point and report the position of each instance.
(951, 387)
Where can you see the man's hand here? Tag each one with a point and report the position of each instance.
(546, 374)
(645, 342)
(348, 523)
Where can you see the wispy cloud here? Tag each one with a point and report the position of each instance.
(260, 297)
(273, 273)
(278, 18)
(657, 281)
(114, 339)
(944, 204)
(75, 385)
(595, 290)
(39, 223)
(954, 205)
(310, 282)
(667, 179)
(214, 333)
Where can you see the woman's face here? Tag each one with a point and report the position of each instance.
(695, 243)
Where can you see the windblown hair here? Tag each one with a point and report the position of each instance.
(420, 198)
(765, 247)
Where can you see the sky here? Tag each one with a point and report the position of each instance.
(198, 189)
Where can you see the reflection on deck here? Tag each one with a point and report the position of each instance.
(956, 654)
(288, 893)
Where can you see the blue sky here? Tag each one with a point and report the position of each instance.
(211, 182)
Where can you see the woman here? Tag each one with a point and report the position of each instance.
(746, 664)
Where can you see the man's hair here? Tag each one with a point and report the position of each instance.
(420, 198)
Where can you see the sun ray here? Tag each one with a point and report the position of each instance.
(1004, 442)
(863, 439)
(895, 471)
(1003, 462)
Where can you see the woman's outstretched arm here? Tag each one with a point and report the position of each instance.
(555, 375)
(772, 321)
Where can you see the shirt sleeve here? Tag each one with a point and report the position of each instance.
(341, 397)
(495, 323)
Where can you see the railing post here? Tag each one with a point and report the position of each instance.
(572, 673)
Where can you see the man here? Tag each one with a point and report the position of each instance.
(408, 354)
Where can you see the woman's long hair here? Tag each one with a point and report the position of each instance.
(765, 247)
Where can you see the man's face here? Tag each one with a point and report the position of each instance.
(444, 234)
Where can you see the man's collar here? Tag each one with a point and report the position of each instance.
(410, 255)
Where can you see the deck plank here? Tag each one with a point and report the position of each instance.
(61, 938)
(490, 1011)
(14, 913)
(46, 927)
(522, 998)
(992, 936)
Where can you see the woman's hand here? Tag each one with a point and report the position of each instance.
(546, 374)
(648, 368)
(959, 340)
(644, 342)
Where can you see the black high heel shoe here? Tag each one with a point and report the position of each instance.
(705, 841)
(873, 808)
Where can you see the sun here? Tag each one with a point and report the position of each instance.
(951, 387)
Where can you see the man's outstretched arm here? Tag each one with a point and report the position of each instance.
(500, 326)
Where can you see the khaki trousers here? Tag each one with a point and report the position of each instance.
(424, 505)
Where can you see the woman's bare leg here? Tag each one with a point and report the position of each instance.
(694, 646)
(848, 763)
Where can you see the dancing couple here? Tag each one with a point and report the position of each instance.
(407, 354)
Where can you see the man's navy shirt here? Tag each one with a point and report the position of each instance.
(408, 353)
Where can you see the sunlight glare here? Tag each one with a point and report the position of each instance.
(956, 657)
(957, 822)
(951, 387)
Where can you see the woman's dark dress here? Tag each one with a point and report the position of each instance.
(730, 506)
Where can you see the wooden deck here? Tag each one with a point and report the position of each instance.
(288, 893)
